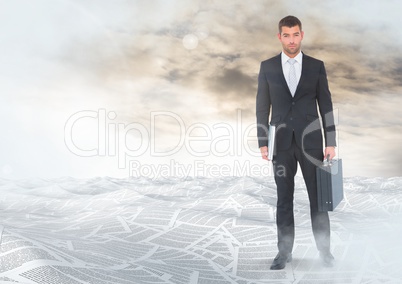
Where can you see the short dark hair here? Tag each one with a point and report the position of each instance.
(289, 21)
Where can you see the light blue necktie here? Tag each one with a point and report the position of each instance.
(292, 76)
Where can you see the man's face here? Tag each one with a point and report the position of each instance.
(291, 40)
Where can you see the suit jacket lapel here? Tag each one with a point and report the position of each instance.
(303, 74)
(281, 75)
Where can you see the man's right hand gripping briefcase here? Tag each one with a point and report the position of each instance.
(329, 185)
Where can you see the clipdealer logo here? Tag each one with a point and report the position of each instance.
(128, 142)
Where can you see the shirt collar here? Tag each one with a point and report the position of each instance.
(298, 57)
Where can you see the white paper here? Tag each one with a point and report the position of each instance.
(271, 142)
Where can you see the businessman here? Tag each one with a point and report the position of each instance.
(290, 87)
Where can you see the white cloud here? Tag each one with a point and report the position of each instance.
(61, 57)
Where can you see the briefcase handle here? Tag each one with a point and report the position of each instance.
(327, 162)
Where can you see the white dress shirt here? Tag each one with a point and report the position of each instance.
(286, 66)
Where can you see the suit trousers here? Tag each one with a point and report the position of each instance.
(285, 168)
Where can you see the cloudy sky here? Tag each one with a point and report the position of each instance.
(119, 88)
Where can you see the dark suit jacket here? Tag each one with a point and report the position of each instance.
(296, 114)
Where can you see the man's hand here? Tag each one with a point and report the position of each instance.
(264, 152)
(329, 151)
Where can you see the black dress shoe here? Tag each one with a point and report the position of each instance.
(280, 261)
(327, 258)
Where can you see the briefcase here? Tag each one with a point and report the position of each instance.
(329, 185)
